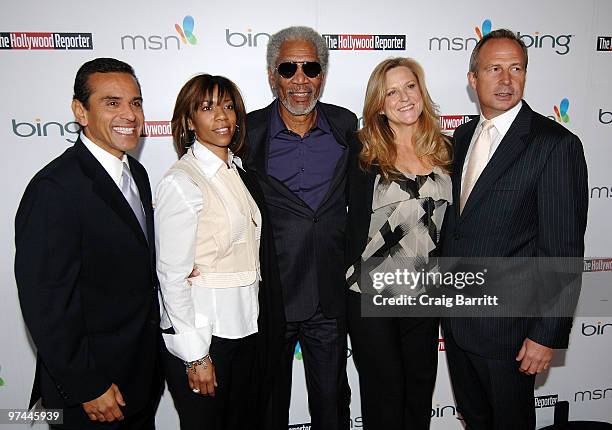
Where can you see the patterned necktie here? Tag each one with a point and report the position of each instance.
(130, 192)
(478, 160)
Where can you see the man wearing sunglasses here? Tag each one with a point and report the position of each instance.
(299, 149)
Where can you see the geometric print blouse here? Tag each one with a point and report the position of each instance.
(404, 231)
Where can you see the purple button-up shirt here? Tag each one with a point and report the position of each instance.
(306, 164)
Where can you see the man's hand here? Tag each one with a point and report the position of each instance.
(106, 407)
(534, 358)
(203, 381)
(194, 274)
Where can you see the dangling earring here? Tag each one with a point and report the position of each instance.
(188, 140)
(234, 138)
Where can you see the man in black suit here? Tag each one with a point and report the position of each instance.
(298, 150)
(519, 190)
(84, 263)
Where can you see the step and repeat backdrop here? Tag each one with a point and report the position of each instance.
(42, 44)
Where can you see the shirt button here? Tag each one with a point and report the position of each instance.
(315, 220)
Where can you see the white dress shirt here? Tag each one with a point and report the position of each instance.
(502, 125)
(112, 164)
(196, 314)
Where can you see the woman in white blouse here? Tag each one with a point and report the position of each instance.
(208, 229)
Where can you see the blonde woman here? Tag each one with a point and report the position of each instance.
(399, 191)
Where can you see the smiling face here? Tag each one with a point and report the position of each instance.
(500, 79)
(115, 117)
(214, 123)
(298, 94)
(403, 100)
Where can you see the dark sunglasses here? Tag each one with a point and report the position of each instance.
(312, 69)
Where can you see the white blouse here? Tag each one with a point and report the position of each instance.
(196, 314)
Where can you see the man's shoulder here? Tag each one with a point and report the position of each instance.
(58, 177)
(541, 124)
(464, 129)
(61, 169)
(257, 116)
(338, 112)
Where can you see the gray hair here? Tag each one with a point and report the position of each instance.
(502, 33)
(297, 33)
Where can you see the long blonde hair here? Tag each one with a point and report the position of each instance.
(377, 136)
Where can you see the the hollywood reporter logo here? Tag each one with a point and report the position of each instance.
(604, 43)
(365, 42)
(546, 401)
(451, 122)
(37, 40)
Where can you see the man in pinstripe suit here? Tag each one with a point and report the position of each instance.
(520, 190)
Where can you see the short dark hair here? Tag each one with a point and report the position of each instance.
(296, 33)
(197, 90)
(82, 91)
(502, 33)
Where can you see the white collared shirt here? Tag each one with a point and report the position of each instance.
(112, 164)
(229, 312)
(502, 124)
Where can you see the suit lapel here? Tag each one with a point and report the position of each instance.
(363, 193)
(512, 145)
(107, 190)
(340, 169)
(257, 137)
(251, 185)
(462, 145)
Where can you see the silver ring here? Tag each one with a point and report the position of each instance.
(195, 390)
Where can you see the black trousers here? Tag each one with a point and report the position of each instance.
(490, 394)
(397, 362)
(143, 420)
(323, 348)
(231, 407)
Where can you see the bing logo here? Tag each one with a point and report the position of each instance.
(561, 111)
(484, 30)
(298, 351)
(186, 32)
(559, 43)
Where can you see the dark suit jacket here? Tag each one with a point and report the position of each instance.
(87, 285)
(360, 194)
(271, 319)
(309, 244)
(530, 201)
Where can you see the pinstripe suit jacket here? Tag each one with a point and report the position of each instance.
(531, 200)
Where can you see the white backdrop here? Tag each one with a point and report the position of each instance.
(570, 58)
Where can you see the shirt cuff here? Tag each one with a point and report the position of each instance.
(189, 346)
